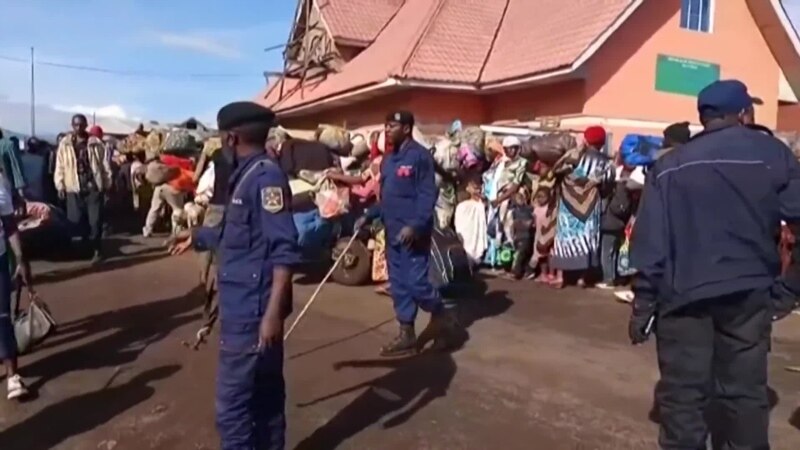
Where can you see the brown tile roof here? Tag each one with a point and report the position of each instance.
(358, 20)
(542, 35)
(468, 42)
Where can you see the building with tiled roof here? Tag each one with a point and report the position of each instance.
(631, 65)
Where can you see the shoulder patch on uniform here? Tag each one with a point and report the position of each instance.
(272, 199)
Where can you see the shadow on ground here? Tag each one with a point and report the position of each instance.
(130, 259)
(411, 384)
(77, 415)
(128, 332)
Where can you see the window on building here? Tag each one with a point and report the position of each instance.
(697, 14)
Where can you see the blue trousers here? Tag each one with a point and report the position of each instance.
(251, 392)
(8, 341)
(408, 276)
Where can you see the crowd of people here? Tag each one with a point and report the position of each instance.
(255, 202)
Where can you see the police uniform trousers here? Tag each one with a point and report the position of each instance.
(713, 361)
(408, 278)
(250, 391)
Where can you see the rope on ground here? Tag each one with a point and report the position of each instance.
(319, 288)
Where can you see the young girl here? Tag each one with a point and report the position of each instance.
(545, 226)
(470, 222)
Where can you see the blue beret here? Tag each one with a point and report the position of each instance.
(237, 114)
(724, 97)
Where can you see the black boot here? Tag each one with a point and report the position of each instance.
(449, 332)
(405, 343)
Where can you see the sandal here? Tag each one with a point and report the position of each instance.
(383, 290)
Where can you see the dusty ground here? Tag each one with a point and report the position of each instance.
(542, 370)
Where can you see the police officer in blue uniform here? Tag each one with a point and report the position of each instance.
(257, 247)
(708, 282)
(408, 196)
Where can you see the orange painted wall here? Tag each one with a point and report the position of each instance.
(524, 105)
(789, 117)
(436, 110)
(621, 75)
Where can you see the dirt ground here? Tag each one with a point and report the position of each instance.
(541, 370)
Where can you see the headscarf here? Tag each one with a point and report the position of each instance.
(595, 137)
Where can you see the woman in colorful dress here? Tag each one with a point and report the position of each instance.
(500, 183)
(584, 172)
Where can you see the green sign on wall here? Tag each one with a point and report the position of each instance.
(684, 76)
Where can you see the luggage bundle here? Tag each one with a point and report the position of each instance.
(640, 150)
(180, 142)
(450, 267)
(550, 148)
(334, 137)
(792, 140)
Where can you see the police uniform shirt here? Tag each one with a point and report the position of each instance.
(257, 234)
(408, 189)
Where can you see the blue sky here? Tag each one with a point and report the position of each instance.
(174, 37)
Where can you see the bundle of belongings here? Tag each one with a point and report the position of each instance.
(134, 143)
(315, 199)
(550, 148)
(638, 150)
(333, 137)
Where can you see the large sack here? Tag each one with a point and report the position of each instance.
(639, 149)
(153, 144)
(211, 145)
(551, 148)
(792, 140)
(475, 138)
(180, 141)
(334, 137)
(360, 146)
(158, 173)
(446, 154)
(134, 143)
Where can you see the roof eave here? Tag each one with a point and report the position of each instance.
(349, 96)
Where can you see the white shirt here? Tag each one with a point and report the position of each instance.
(6, 209)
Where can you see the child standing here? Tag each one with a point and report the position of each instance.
(470, 222)
(522, 233)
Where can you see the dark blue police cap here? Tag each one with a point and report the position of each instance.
(237, 114)
(725, 97)
(401, 117)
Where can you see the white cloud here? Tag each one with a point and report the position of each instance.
(201, 43)
(115, 111)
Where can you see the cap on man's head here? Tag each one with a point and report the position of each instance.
(237, 114)
(725, 97)
(511, 141)
(401, 117)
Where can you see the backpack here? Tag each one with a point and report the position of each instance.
(639, 149)
(450, 266)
